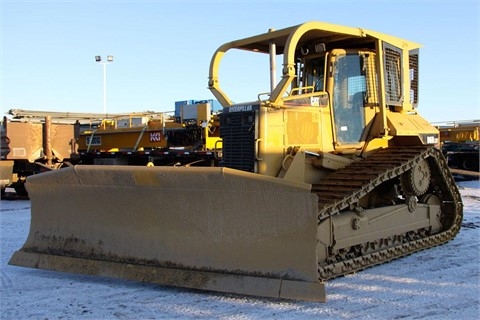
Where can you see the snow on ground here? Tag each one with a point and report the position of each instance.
(439, 283)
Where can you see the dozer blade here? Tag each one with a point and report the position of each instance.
(215, 229)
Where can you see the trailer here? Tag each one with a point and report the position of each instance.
(460, 142)
(190, 136)
(33, 142)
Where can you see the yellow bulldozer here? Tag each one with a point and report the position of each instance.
(331, 172)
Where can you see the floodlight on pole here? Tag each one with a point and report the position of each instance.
(98, 59)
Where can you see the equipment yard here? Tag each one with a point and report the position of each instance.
(331, 172)
(439, 283)
(311, 182)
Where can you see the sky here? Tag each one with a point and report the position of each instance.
(162, 50)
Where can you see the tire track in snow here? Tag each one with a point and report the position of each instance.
(6, 281)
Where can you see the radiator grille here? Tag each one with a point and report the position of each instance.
(238, 133)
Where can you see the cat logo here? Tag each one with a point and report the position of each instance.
(155, 136)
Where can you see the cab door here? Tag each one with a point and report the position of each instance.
(348, 76)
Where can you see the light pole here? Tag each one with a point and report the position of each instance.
(98, 59)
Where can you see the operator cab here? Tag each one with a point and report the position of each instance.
(342, 75)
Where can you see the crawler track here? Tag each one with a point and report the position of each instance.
(344, 188)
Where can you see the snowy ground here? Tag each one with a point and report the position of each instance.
(439, 283)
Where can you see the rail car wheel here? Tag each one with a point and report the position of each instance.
(20, 188)
(470, 163)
